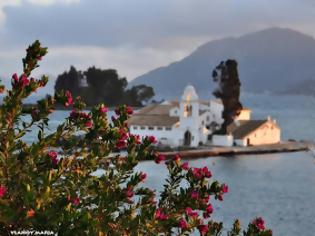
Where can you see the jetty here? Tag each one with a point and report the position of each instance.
(212, 151)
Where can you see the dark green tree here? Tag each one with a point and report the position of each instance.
(69, 80)
(226, 75)
(105, 86)
(138, 95)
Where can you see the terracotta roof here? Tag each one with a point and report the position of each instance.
(153, 120)
(154, 115)
(155, 109)
(245, 127)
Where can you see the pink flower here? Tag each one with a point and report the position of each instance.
(129, 192)
(121, 144)
(69, 100)
(103, 109)
(203, 229)
(159, 158)
(224, 188)
(259, 223)
(159, 215)
(74, 114)
(129, 110)
(206, 172)
(185, 166)
(151, 139)
(197, 173)
(53, 157)
(123, 134)
(194, 194)
(3, 190)
(24, 81)
(206, 199)
(209, 209)
(84, 115)
(183, 224)
(220, 197)
(15, 78)
(39, 58)
(143, 176)
(88, 124)
(76, 201)
(190, 212)
(176, 158)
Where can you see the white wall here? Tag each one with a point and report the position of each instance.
(240, 142)
(244, 115)
(164, 136)
(268, 134)
(222, 140)
(216, 109)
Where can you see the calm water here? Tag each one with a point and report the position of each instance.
(279, 187)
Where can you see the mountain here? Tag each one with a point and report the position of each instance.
(270, 60)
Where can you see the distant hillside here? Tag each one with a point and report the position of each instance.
(270, 60)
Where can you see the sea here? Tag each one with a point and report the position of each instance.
(278, 187)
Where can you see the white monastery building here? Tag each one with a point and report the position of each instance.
(174, 123)
(190, 121)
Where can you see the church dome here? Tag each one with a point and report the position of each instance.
(190, 94)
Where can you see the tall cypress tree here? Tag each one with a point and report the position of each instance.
(226, 75)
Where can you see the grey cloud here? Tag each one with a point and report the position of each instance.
(137, 35)
(143, 23)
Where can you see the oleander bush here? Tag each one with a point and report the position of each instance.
(51, 183)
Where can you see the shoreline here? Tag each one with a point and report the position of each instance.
(207, 151)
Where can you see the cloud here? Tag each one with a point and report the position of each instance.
(18, 3)
(129, 61)
(143, 23)
(138, 35)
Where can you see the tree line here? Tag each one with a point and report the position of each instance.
(96, 86)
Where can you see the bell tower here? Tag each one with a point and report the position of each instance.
(189, 116)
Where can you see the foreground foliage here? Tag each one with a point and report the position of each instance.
(51, 184)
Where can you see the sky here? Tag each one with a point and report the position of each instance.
(133, 36)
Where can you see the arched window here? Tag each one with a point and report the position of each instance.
(188, 110)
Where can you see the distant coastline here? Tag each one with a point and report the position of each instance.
(64, 108)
